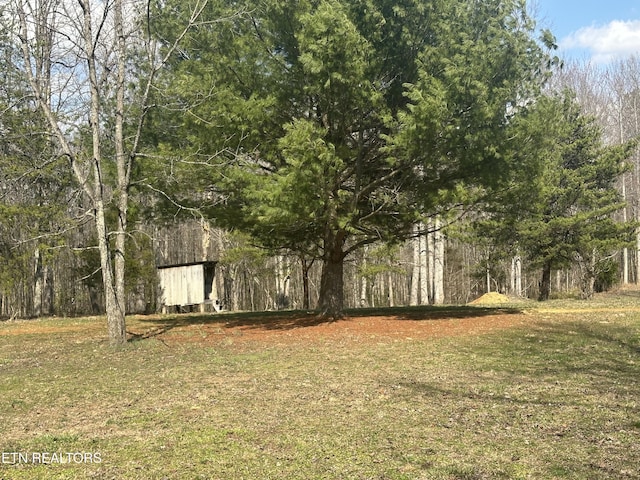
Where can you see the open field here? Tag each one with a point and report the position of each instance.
(522, 391)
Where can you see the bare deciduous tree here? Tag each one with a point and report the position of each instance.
(77, 56)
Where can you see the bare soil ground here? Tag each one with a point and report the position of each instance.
(301, 327)
(283, 328)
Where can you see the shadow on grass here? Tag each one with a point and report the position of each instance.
(295, 319)
(435, 390)
(624, 338)
(607, 354)
(553, 365)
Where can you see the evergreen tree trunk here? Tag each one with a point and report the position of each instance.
(331, 302)
(545, 284)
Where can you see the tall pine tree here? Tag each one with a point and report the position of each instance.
(349, 121)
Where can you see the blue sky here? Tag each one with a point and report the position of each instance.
(595, 30)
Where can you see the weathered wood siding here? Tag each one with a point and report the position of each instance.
(182, 285)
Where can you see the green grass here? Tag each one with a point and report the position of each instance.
(557, 399)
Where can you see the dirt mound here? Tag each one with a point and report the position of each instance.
(492, 298)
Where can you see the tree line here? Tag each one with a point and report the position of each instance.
(327, 154)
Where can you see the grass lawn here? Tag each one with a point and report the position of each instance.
(554, 394)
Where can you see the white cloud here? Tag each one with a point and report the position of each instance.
(605, 43)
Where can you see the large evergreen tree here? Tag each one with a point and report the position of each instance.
(351, 120)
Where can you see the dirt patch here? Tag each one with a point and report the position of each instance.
(309, 329)
(287, 328)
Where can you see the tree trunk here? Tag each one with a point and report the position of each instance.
(625, 250)
(364, 283)
(306, 291)
(588, 287)
(425, 260)
(487, 279)
(638, 249)
(637, 188)
(231, 288)
(415, 271)
(431, 256)
(438, 263)
(545, 284)
(516, 276)
(331, 301)
(283, 276)
(111, 277)
(115, 312)
(123, 167)
(47, 290)
(588, 276)
(38, 287)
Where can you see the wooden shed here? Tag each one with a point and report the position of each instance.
(188, 284)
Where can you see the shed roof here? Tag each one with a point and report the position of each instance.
(188, 264)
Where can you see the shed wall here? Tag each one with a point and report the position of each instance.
(182, 285)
